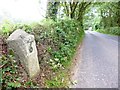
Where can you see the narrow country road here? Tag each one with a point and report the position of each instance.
(97, 65)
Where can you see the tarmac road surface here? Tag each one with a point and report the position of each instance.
(98, 63)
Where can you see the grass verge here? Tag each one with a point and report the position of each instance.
(111, 31)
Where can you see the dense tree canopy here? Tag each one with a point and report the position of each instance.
(107, 14)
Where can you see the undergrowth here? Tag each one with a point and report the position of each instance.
(111, 31)
(56, 44)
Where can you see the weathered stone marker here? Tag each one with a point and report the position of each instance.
(24, 46)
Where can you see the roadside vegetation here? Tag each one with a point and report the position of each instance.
(104, 18)
(111, 31)
(110, 19)
(57, 37)
(56, 44)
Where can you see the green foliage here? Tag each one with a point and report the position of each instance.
(61, 38)
(112, 30)
(103, 17)
(9, 72)
(7, 27)
(10, 76)
(59, 81)
(52, 9)
(13, 84)
(25, 27)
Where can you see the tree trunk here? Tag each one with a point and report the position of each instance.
(52, 10)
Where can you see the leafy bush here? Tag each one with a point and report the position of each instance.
(9, 72)
(56, 43)
(111, 30)
(61, 37)
(24, 27)
(7, 27)
(59, 40)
